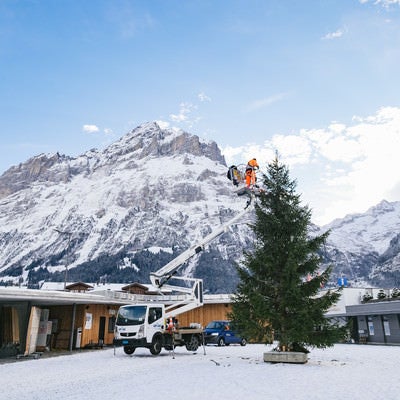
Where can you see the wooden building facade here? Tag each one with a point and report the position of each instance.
(34, 320)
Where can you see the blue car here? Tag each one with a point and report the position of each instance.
(222, 334)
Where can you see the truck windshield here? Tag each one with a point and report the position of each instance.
(131, 315)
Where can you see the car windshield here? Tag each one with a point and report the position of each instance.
(216, 324)
(131, 315)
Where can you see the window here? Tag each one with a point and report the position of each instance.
(371, 327)
(111, 324)
(155, 313)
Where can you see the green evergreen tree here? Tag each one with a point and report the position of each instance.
(278, 295)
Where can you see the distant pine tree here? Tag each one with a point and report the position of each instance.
(278, 295)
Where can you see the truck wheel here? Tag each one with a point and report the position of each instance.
(129, 349)
(221, 341)
(156, 345)
(243, 342)
(193, 344)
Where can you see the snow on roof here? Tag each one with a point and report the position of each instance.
(54, 285)
(96, 287)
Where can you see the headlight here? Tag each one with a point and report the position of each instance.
(214, 334)
(140, 333)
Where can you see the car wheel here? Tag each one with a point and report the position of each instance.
(221, 341)
(243, 342)
(129, 349)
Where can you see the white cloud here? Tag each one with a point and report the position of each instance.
(203, 97)
(188, 114)
(185, 109)
(384, 3)
(90, 128)
(265, 102)
(333, 143)
(333, 35)
(163, 124)
(292, 149)
(339, 169)
(233, 154)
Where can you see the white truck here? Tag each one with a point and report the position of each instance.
(146, 325)
(153, 325)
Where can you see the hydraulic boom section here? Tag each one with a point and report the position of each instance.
(161, 277)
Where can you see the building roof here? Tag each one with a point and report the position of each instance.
(390, 306)
(39, 297)
(78, 285)
(13, 294)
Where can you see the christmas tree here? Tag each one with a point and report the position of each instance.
(279, 294)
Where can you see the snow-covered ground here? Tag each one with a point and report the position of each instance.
(343, 372)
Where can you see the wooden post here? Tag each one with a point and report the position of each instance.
(71, 338)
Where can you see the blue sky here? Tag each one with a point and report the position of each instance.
(316, 80)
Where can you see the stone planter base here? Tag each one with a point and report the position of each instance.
(294, 357)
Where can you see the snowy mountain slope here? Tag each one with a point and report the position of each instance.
(364, 247)
(372, 230)
(153, 187)
(158, 189)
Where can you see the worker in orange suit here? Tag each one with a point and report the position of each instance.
(251, 168)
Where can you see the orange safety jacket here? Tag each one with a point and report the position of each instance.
(253, 163)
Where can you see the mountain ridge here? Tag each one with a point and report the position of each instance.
(156, 188)
(152, 188)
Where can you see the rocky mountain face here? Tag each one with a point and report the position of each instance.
(120, 213)
(123, 212)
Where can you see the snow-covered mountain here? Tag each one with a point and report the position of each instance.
(120, 213)
(365, 247)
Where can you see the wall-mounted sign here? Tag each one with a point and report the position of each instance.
(88, 320)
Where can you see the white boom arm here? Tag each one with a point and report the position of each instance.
(160, 277)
